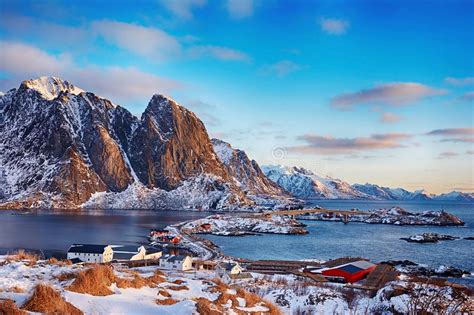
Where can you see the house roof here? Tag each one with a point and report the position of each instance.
(227, 266)
(87, 248)
(126, 249)
(152, 250)
(354, 267)
(123, 255)
(175, 258)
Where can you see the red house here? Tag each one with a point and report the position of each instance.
(351, 272)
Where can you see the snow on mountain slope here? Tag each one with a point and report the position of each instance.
(303, 183)
(246, 172)
(455, 196)
(60, 146)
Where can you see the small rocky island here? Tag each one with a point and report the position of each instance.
(429, 238)
(394, 215)
(231, 225)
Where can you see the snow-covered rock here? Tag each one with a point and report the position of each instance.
(394, 215)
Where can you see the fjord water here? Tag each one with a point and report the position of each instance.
(377, 242)
(53, 232)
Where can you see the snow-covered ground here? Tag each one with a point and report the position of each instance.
(394, 215)
(240, 225)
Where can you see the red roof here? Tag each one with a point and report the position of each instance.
(351, 272)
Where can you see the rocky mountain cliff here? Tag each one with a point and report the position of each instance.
(62, 147)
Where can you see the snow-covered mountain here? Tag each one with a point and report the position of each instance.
(63, 147)
(246, 172)
(303, 183)
(455, 196)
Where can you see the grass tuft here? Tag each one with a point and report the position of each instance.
(94, 281)
(48, 301)
(8, 307)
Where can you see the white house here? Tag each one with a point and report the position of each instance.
(228, 268)
(181, 263)
(90, 253)
(127, 253)
(153, 253)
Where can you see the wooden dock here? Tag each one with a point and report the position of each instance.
(377, 278)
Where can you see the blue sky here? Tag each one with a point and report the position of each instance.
(350, 89)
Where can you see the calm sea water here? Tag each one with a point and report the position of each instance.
(378, 242)
(54, 232)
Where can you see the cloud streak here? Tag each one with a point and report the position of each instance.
(451, 132)
(218, 52)
(143, 41)
(447, 155)
(239, 9)
(122, 84)
(390, 118)
(315, 144)
(393, 94)
(280, 69)
(459, 81)
(183, 8)
(334, 26)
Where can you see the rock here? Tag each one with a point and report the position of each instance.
(402, 263)
(62, 147)
(469, 238)
(429, 238)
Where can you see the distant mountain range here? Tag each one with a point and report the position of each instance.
(63, 147)
(303, 183)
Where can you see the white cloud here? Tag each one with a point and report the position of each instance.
(239, 9)
(21, 61)
(334, 26)
(183, 8)
(460, 81)
(27, 60)
(144, 41)
(280, 68)
(396, 93)
(219, 52)
(390, 117)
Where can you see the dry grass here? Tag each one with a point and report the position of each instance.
(94, 281)
(168, 301)
(272, 308)
(177, 288)
(138, 281)
(66, 276)
(206, 307)
(164, 293)
(8, 307)
(62, 262)
(178, 281)
(250, 298)
(21, 254)
(16, 289)
(48, 301)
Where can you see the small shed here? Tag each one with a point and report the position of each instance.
(180, 262)
(153, 253)
(350, 272)
(228, 268)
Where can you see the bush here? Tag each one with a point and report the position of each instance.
(8, 307)
(94, 281)
(46, 300)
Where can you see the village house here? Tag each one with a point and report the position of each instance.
(127, 253)
(228, 268)
(153, 253)
(350, 272)
(181, 262)
(90, 253)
